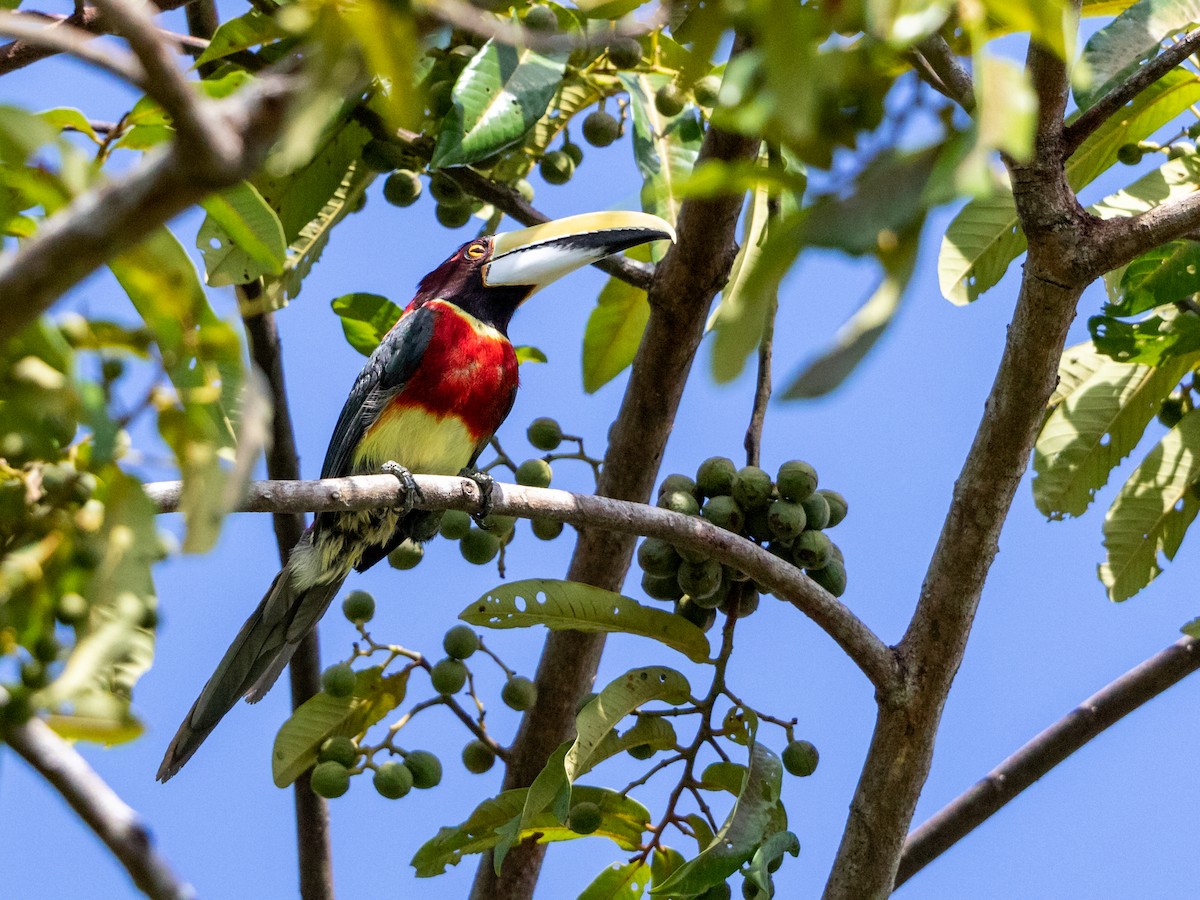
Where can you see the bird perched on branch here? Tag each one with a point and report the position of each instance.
(428, 400)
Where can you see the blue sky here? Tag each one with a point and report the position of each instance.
(1116, 820)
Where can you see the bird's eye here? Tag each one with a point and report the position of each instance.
(476, 250)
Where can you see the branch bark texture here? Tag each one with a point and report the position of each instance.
(1091, 718)
(114, 822)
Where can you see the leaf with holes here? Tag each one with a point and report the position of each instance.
(241, 239)
(619, 698)
(613, 334)
(1152, 511)
(571, 606)
(985, 236)
(1166, 274)
(749, 824)
(654, 732)
(622, 820)
(619, 881)
(498, 98)
(366, 318)
(322, 716)
(1088, 434)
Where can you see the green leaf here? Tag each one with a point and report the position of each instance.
(241, 238)
(741, 316)
(623, 820)
(389, 43)
(1168, 334)
(366, 318)
(22, 134)
(608, 9)
(1117, 50)
(526, 353)
(202, 356)
(619, 698)
(1152, 511)
(665, 149)
(985, 236)
(574, 94)
(241, 33)
(550, 792)
(1088, 434)
(619, 881)
(1192, 628)
(742, 834)
(1166, 274)
(724, 776)
(771, 852)
(613, 334)
(322, 716)
(65, 117)
(571, 606)
(663, 863)
(498, 98)
(309, 203)
(1047, 21)
(861, 331)
(651, 731)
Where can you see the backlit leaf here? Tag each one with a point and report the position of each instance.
(613, 334)
(366, 318)
(241, 238)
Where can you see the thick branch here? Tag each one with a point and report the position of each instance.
(901, 748)
(1103, 709)
(586, 511)
(107, 220)
(114, 822)
(1107, 106)
(304, 671)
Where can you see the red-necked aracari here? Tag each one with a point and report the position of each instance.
(428, 400)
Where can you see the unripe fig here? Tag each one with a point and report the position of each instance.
(452, 216)
(832, 577)
(460, 642)
(544, 433)
(359, 606)
(534, 473)
(751, 488)
(402, 188)
(812, 550)
(519, 693)
(600, 128)
(338, 680)
(383, 156)
(478, 757)
(837, 506)
(584, 818)
(800, 758)
(425, 767)
(329, 780)
(339, 749)
(393, 780)
(556, 167)
(677, 482)
(786, 520)
(479, 547)
(714, 477)
(448, 676)
(670, 100)
(816, 508)
(661, 587)
(625, 53)
(699, 580)
(657, 557)
(796, 480)
(680, 502)
(724, 512)
(455, 524)
(406, 556)
(545, 529)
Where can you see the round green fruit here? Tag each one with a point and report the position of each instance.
(812, 550)
(700, 580)
(584, 818)
(448, 676)
(641, 751)
(455, 524)
(695, 613)
(479, 547)
(534, 473)
(111, 368)
(407, 556)
(832, 577)
(330, 779)
(382, 156)
(669, 100)
(707, 90)
(575, 152)
(460, 642)
(338, 749)
(724, 512)
(556, 167)
(800, 758)
(519, 693)
(402, 188)
(393, 780)
(751, 488)
(501, 526)
(338, 680)
(657, 557)
(600, 128)
(680, 502)
(816, 508)
(676, 482)
(1171, 411)
(544, 433)
(751, 891)
(439, 97)
(661, 587)
(34, 674)
(425, 767)
(1129, 154)
(541, 18)
(786, 520)
(837, 507)
(359, 606)
(796, 480)
(452, 216)
(445, 190)
(625, 53)
(715, 476)
(478, 757)
(545, 529)
(45, 649)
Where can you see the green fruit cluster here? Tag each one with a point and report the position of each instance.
(789, 514)
(331, 775)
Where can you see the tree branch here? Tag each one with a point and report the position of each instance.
(64, 37)
(597, 515)
(304, 671)
(1103, 109)
(1091, 718)
(931, 651)
(109, 219)
(114, 822)
(955, 80)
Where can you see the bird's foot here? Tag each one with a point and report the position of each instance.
(411, 491)
(485, 483)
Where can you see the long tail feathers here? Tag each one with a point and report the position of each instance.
(253, 661)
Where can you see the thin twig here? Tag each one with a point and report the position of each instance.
(1091, 718)
(437, 492)
(64, 38)
(762, 383)
(112, 820)
(1075, 133)
(955, 80)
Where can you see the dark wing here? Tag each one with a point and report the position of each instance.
(382, 378)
